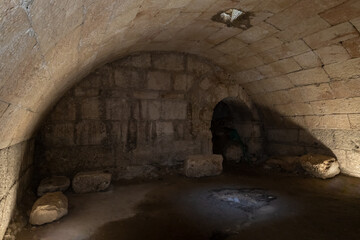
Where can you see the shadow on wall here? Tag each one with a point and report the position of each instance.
(285, 137)
(242, 135)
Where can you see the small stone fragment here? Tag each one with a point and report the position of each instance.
(320, 166)
(49, 208)
(203, 165)
(53, 184)
(95, 181)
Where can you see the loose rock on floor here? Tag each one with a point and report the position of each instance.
(53, 184)
(49, 208)
(320, 166)
(95, 181)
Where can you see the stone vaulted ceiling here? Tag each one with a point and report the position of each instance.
(300, 57)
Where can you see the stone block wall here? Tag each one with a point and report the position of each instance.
(306, 84)
(148, 108)
(16, 166)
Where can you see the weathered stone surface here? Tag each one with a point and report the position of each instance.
(96, 181)
(335, 34)
(203, 165)
(159, 80)
(320, 166)
(289, 164)
(308, 60)
(49, 208)
(53, 184)
(332, 54)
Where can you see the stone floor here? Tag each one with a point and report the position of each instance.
(176, 207)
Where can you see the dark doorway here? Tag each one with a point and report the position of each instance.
(236, 134)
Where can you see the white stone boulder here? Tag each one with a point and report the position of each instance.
(203, 165)
(320, 166)
(53, 184)
(49, 208)
(94, 181)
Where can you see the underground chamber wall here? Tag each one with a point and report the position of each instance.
(134, 115)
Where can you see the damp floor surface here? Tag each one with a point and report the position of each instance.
(241, 205)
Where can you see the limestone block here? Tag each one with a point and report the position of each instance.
(310, 76)
(159, 80)
(117, 109)
(265, 44)
(173, 109)
(343, 70)
(164, 128)
(59, 134)
(222, 35)
(311, 93)
(95, 181)
(285, 50)
(247, 76)
(7, 206)
(354, 121)
(306, 27)
(347, 139)
(203, 165)
(335, 34)
(276, 83)
(166, 61)
(128, 78)
(313, 137)
(231, 45)
(353, 47)
(356, 23)
(183, 82)
(90, 133)
(328, 122)
(332, 54)
(90, 108)
(253, 88)
(53, 184)
(256, 33)
(294, 109)
(251, 62)
(154, 110)
(64, 110)
(299, 11)
(342, 12)
(336, 106)
(49, 208)
(279, 68)
(308, 60)
(320, 166)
